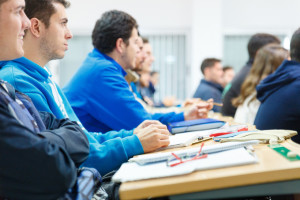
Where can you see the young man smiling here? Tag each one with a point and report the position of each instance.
(13, 23)
(35, 163)
(46, 40)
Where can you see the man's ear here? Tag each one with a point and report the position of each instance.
(206, 72)
(120, 45)
(35, 27)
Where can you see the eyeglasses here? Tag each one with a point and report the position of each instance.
(184, 159)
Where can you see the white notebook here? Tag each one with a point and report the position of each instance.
(186, 139)
(132, 171)
(163, 156)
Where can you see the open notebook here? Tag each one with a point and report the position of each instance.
(132, 171)
(186, 139)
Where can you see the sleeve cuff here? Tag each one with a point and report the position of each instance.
(177, 117)
(132, 145)
(126, 133)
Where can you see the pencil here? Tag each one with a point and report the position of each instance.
(202, 140)
(217, 104)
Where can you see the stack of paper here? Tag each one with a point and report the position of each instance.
(163, 156)
(132, 171)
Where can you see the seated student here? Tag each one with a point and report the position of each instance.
(279, 94)
(132, 77)
(142, 84)
(47, 149)
(144, 71)
(30, 76)
(266, 61)
(256, 42)
(144, 88)
(35, 163)
(210, 85)
(131, 74)
(110, 104)
(154, 80)
(228, 75)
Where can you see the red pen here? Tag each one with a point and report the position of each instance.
(219, 134)
(243, 129)
(225, 133)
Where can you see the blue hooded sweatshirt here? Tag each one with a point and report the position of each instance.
(279, 95)
(107, 151)
(110, 104)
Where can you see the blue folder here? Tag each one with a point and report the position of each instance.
(195, 125)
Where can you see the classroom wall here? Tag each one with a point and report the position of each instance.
(268, 15)
(151, 15)
(204, 21)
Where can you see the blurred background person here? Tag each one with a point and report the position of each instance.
(132, 75)
(154, 81)
(266, 61)
(279, 94)
(228, 75)
(210, 86)
(143, 68)
(255, 43)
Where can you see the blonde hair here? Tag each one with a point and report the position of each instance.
(266, 61)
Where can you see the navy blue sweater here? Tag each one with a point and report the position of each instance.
(279, 95)
(207, 90)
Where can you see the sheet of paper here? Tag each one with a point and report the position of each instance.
(186, 139)
(133, 171)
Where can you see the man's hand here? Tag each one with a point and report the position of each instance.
(191, 102)
(154, 136)
(148, 101)
(144, 124)
(199, 110)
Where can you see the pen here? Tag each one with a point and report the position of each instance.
(202, 139)
(229, 132)
(219, 134)
(217, 104)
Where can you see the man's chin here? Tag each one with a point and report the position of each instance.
(17, 54)
(59, 56)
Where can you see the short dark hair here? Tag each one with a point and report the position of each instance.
(259, 40)
(227, 67)
(145, 40)
(208, 62)
(154, 72)
(295, 46)
(43, 9)
(110, 27)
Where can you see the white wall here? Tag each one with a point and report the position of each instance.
(151, 15)
(268, 15)
(206, 36)
(205, 21)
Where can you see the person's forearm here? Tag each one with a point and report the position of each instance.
(31, 164)
(68, 135)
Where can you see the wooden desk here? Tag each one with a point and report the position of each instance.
(268, 177)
